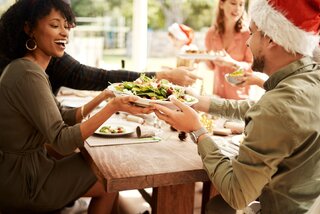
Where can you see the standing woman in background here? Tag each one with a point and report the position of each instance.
(229, 34)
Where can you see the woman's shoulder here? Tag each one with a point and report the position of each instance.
(14, 67)
(212, 33)
(18, 69)
(24, 64)
(213, 30)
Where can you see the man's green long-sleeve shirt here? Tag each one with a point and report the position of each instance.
(279, 159)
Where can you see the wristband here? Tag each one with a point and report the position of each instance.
(81, 111)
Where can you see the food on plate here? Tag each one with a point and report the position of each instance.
(191, 51)
(196, 52)
(213, 53)
(237, 73)
(112, 130)
(152, 89)
(201, 54)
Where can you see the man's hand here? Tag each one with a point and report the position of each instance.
(181, 76)
(251, 79)
(126, 104)
(177, 119)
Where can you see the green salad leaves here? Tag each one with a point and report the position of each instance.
(150, 88)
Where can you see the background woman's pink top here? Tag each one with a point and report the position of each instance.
(239, 51)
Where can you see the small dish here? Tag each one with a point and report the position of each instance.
(234, 80)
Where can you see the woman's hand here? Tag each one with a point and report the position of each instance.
(181, 76)
(226, 60)
(126, 103)
(185, 119)
(107, 93)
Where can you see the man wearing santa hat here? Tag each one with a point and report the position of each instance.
(279, 157)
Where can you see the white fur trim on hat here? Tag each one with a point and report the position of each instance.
(176, 31)
(283, 32)
(316, 54)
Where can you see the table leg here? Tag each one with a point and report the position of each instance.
(178, 199)
(208, 191)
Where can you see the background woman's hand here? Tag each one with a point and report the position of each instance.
(126, 103)
(226, 60)
(185, 119)
(180, 76)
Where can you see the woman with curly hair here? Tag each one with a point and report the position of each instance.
(31, 32)
(228, 35)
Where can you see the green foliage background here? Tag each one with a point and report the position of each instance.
(161, 13)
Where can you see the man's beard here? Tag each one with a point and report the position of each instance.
(258, 64)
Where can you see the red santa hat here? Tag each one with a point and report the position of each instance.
(294, 25)
(181, 32)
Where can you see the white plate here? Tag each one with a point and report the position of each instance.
(128, 130)
(74, 102)
(203, 56)
(143, 102)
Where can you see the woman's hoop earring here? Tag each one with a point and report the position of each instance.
(32, 43)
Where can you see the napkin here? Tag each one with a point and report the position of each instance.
(133, 118)
(143, 132)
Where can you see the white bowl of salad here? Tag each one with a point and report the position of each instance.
(152, 91)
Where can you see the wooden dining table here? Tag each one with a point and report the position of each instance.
(170, 167)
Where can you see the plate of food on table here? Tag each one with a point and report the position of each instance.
(150, 90)
(114, 130)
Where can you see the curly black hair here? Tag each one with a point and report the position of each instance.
(12, 22)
